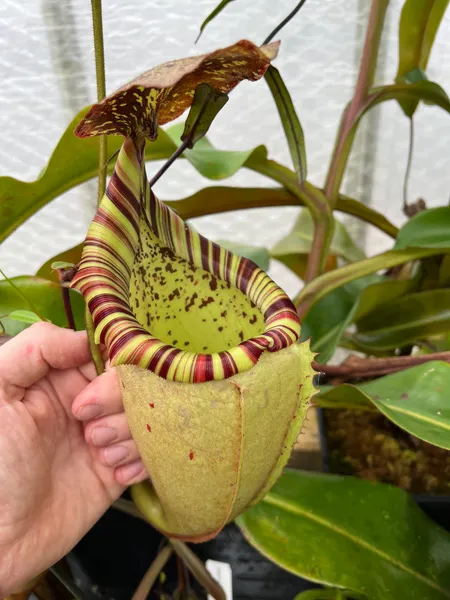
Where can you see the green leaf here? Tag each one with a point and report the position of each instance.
(419, 22)
(219, 8)
(428, 229)
(324, 284)
(206, 105)
(381, 292)
(258, 254)
(212, 163)
(44, 294)
(60, 264)
(409, 319)
(352, 533)
(329, 318)
(70, 257)
(73, 161)
(217, 199)
(25, 316)
(299, 241)
(416, 399)
(289, 119)
(427, 91)
(444, 272)
(330, 594)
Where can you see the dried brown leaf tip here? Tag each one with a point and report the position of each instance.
(162, 94)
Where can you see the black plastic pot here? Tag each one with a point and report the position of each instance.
(436, 507)
(111, 559)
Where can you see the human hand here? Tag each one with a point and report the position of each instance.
(53, 485)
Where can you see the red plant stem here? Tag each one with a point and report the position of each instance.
(365, 368)
(365, 79)
(319, 250)
(65, 276)
(68, 308)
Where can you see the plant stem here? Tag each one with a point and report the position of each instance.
(198, 569)
(68, 308)
(63, 279)
(364, 368)
(184, 145)
(284, 22)
(97, 357)
(71, 587)
(408, 166)
(151, 575)
(229, 198)
(97, 23)
(366, 74)
(314, 200)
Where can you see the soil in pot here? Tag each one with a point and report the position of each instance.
(368, 445)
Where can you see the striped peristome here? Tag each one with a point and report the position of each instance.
(167, 299)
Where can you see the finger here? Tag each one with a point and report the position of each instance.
(29, 356)
(134, 472)
(101, 397)
(119, 454)
(107, 430)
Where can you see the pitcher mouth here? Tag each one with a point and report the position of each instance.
(143, 267)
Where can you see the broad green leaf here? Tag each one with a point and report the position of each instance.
(216, 199)
(206, 105)
(212, 15)
(380, 292)
(25, 316)
(45, 296)
(419, 22)
(328, 319)
(299, 241)
(324, 284)
(67, 257)
(428, 91)
(410, 318)
(60, 264)
(258, 254)
(212, 163)
(428, 229)
(289, 119)
(352, 533)
(444, 271)
(73, 161)
(416, 399)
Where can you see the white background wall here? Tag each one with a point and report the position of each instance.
(47, 75)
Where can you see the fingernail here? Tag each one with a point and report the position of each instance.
(90, 411)
(115, 454)
(129, 472)
(102, 436)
